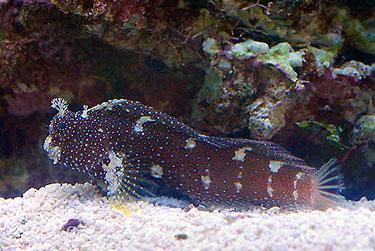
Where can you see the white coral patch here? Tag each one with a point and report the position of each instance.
(269, 187)
(54, 152)
(275, 165)
(206, 180)
(190, 143)
(156, 171)
(240, 154)
(138, 127)
(113, 174)
(238, 186)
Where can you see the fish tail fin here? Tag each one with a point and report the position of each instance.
(329, 185)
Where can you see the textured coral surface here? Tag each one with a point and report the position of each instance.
(65, 217)
(300, 73)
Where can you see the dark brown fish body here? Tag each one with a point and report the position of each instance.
(133, 148)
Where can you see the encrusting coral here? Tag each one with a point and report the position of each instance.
(263, 87)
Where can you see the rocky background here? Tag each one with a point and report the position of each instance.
(299, 73)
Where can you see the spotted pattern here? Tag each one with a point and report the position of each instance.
(128, 146)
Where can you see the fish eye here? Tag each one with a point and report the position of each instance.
(61, 125)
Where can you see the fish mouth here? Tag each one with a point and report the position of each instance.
(54, 152)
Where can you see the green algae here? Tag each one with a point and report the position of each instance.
(282, 56)
(364, 134)
(323, 57)
(249, 48)
(333, 132)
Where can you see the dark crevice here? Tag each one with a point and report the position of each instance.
(349, 53)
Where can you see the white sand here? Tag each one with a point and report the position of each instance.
(35, 222)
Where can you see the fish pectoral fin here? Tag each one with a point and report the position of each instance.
(133, 179)
(137, 186)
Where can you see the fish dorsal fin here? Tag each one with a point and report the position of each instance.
(268, 149)
(137, 110)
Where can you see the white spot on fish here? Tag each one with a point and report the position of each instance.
(190, 143)
(295, 194)
(299, 175)
(105, 105)
(113, 175)
(54, 152)
(100, 130)
(47, 142)
(295, 182)
(269, 187)
(275, 165)
(240, 154)
(140, 122)
(156, 171)
(84, 112)
(206, 181)
(238, 186)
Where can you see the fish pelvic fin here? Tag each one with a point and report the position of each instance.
(329, 186)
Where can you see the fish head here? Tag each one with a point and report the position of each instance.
(75, 141)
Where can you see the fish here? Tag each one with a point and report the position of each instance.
(130, 149)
